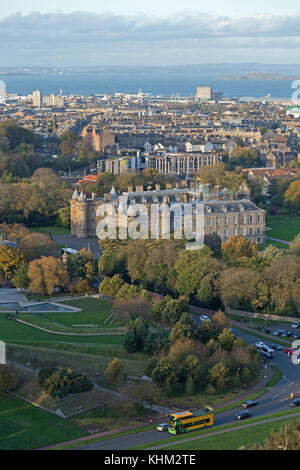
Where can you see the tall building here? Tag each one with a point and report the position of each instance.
(37, 99)
(203, 93)
(206, 93)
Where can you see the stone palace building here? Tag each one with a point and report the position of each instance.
(226, 213)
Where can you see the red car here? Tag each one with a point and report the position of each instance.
(290, 351)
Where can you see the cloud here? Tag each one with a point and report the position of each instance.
(80, 37)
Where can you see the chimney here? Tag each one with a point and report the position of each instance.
(139, 189)
(157, 187)
(130, 189)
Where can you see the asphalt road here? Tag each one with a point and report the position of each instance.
(275, 400)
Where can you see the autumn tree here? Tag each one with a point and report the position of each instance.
(237, 287)
(115, 371)
(47, 273)
(10, 261)
(236, 248)
(34, 245)
(292, 195)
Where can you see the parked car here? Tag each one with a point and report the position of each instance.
(278, 332)
(296, 335)
(290, 351)
(286, 334)
(296, 325)
(243, 415)
(162, 427)
(295, 403)
(249, 404)
(277, 347)
(259, 345)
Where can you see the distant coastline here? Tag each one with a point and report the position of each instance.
(259, 76)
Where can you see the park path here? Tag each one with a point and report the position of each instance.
(278, 240)
(121, 333)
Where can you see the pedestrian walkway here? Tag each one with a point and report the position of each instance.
(278, 240)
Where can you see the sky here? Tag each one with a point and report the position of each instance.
(156, 32)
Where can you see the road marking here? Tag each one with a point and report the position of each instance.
(285, 399)
(275, 397)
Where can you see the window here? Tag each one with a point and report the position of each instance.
(258, 219)
(226, 220)
(250, 231)
(210, 221)
(251, 219)
(234, 220)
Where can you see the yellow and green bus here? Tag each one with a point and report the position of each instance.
(188, 421)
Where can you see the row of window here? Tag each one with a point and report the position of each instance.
(244, 232)
(196, 423)
(251, 220)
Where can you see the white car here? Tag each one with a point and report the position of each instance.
(259, 345)
(162, 427)
(205, 318)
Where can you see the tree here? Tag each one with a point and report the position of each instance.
(8, 378)
(196, 272)
(192, 370)
(115, 371)
(111, 286)
(34, 245)
(67, 143)
(10, 261)
(295, 245)
(164, 373)
(46, 178)
(220, 320)
(219, 376)
(238, 247)
(227, 339)
(47, 273)
(20, 279)
(170, 310)
(292, 195)
(64, 217)
(238, 287)
(283, 280)
(185, 328)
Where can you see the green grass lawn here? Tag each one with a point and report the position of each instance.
(94, 313)
(53, 230)
(23, 426)
(281, 246)
(233, 440)
(283, 227)
(14, 332)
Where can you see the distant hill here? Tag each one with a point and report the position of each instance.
(258, 76)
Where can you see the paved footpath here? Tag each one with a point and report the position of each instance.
(278, 240)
